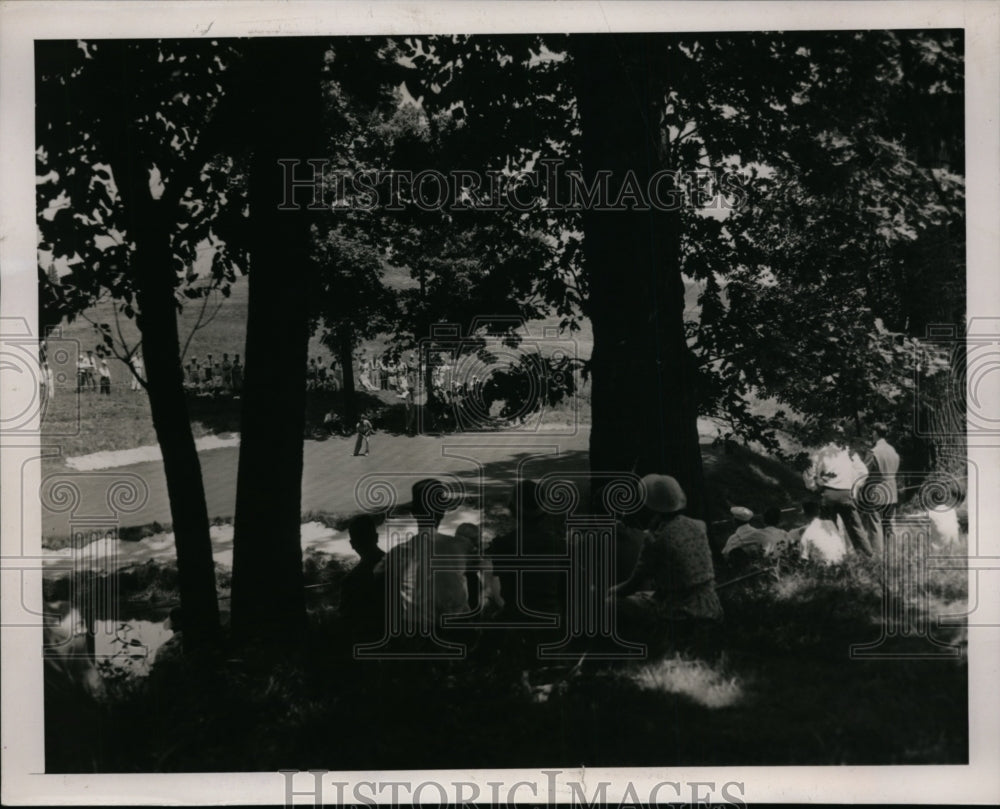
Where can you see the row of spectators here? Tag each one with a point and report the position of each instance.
(214, 377)
(93, 374)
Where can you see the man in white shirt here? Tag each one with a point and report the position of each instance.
(105, 373)
(90, 371)
(882, 462)
(407, 396)
(834, 472)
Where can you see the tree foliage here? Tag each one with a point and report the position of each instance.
(842, 240)
(124, 122)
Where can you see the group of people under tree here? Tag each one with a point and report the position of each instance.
(665, 576)
(856, 499)
(664, 581)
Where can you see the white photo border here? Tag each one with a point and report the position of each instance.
(24, 21)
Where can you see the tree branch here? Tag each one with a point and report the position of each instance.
(198, 324)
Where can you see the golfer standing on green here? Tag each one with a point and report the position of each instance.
(364, 429)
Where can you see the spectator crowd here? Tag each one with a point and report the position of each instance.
(663, 580)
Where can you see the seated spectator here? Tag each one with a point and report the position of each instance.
(419, 595)
(332, 423)
(742, 517)
(467, 537)
(944, 526)
(629, 540)
(767, 541)
(69, 655)
(529, 589)
(72, 688)
(362, 592)
(820, 539)
(675, 561)
(173, 648)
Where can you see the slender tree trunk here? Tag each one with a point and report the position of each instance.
(345, 348)
(150, 223)
(182, 470)
(268, 599)
(644, 401)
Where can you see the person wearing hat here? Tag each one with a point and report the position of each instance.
(675, 559)
(770, 541)
(741, 516)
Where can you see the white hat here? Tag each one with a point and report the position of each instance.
(741, 513)
(663, 494)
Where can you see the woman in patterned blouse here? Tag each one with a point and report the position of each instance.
(675, 562)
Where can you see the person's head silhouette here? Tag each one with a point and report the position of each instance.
(364, 535)
(429, 499)
(524, 501)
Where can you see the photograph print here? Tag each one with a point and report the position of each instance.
(503, 400)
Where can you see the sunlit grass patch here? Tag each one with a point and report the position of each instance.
(698, 680)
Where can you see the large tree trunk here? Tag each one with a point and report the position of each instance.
(345, 349)
(945, 423)
(268, 599)
(644, 403)
(151, 230)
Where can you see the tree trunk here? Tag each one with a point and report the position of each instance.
(345, 348)
(946, 423)
(157, 321)
(644, 402)
(268, 599)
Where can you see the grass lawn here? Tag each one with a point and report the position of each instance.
(775, 687)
